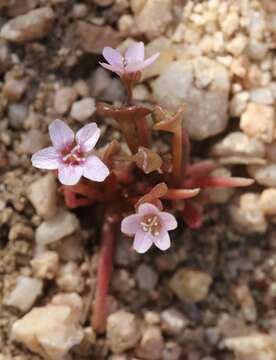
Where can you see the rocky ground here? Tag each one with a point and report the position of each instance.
(210, 297)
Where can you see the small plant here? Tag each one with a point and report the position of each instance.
(141, 189)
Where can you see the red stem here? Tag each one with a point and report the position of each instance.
(104, 274)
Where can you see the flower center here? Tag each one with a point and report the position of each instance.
(151, 224)
(74, 157)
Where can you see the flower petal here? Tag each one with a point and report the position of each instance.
(168, 221)
(115, 68)
(135, 53)
(112, 56)
(88, 136)
(94, 169)
(61, 135)
(138, 66)
(47, 158)
(142, 241)
(147, 208)
(130, 224)
(163, 242)
(70, 174)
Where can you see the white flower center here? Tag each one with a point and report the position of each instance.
(151, 224)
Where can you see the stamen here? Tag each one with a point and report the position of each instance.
(151, 224)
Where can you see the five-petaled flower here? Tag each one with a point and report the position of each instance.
(150, 226)
(69, 154)
(132, 62)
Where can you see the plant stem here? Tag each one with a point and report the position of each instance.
(144, 134)
(104, 274)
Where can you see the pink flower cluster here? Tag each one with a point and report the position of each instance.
(69, 154)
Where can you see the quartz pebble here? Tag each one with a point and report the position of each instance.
(262, 96)
(52, 330)
(206, 108)
(240, 148)
(173, 321)
(151, 344)
(25, 293)
(83, 109)
(122, 331)
(263, 174)
(64, 98)
(146, 277)
(45, 265)
(63, 224)
(154, 17)
(247, 215)
(45, 206)
(32, 141)
(268, 201)
(246, 301)
(28, 27)
(70, 279)
(190, 285)
(171, 351)
(256, 346)
(14, 89)
(258, 121)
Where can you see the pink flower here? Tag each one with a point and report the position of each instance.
(132, 62)
(68, 154)
(150, 226)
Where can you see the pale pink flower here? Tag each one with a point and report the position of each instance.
(69, 154)
(132, 62)
(149, 226)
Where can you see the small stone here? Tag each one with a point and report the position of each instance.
(25, 293)
(152, 318)
(151, 344)
(64, 98)
(239, 146)
(237, 45)
(263, 174)
(32, 141)
(83, 109)
(230, 24)
(50, 331)
(122, 331)
(70, 279)
(17, 113)
(173, 321)
(5, 56)
(256, 346)
(45, 265)
(29, 27)
(71, 248)
(154, 17)
(257, 50)
(99, 81)
(206, 110)
(238, 103)
(262, 96)
(42, 193)
(93, 38)
(63, 224)
(14, 89)
(104, 3)
(190, 285)
(258, 121)
(146, 277)
(268, 201)
(247, 215)
(246, 302)
(171, 351)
